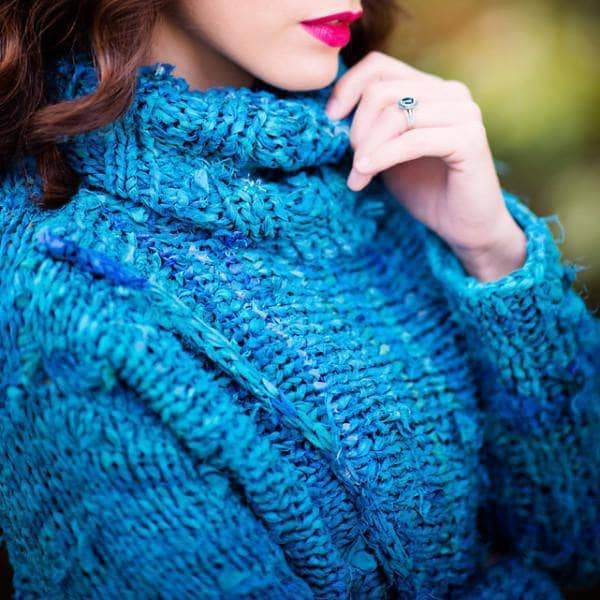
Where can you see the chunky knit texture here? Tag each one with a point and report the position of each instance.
(225, 374)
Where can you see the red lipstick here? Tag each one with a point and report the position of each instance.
(334, 29)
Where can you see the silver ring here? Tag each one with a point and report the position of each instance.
(408, 104)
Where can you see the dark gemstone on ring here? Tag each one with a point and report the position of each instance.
(407, 102)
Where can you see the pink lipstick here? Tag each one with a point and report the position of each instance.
(334, 29)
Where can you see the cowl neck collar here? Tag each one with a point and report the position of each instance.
(262, 161)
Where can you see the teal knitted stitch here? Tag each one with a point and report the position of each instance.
(225, 374)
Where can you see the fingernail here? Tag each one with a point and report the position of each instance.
(333, 108)
(363, 164)
(354, 179)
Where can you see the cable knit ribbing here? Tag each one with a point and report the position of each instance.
(228, 375)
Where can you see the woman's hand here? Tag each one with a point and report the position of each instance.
(441, 169)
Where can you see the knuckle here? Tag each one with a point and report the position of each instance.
(458, 87)
(475, 110)
(375, 55)
(376, 58)
(433, 80)
(474, 133)
(478, 128)
(369, 57)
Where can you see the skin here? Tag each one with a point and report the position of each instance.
(441, 169)
(211, 42)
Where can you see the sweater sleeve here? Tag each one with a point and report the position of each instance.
(119, 476)
(104, 504)
(535, 350)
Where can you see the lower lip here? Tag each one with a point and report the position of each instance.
(336, 35)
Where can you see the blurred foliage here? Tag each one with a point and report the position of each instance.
(533, 66)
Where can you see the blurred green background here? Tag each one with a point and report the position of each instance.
(533, 67)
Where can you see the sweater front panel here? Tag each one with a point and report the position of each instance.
(287, 352)
(357, 347)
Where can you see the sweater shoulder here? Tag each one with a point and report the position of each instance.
(36, 243)
(66, 289)
(23, 222)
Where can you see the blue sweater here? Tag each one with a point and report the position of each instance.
(225, 374)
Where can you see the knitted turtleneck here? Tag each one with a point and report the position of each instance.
(225, 374)
(235, 159)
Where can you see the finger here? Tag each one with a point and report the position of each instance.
(375, 66)
(431, 112)
(390, 123)
(448, 143)
(380, 94)
(356, 181)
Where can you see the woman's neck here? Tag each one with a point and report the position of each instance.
(202, 65)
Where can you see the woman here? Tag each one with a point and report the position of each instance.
(239, 361)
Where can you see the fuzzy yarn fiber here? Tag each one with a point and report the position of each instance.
(225, 374)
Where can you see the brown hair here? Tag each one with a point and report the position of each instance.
(116, 32)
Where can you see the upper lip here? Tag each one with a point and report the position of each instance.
(346, 16)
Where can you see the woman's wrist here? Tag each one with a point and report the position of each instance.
(502, 256)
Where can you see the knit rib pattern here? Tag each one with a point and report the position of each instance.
(225, 374)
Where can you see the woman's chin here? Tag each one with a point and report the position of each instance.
(310, 74)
